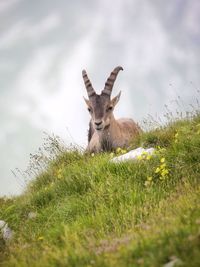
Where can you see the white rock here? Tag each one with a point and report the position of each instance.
(7, 233)
(133, 154)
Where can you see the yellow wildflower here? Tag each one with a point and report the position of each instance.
(139, 157)
(162, 160)
(148, 157)
(40, 238)
(162, 166)
(157, 170)
(144, 153)
(176, 135)
(118, 150)
(111, 154)
(164, 172)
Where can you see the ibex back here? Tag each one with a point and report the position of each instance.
(105, 132)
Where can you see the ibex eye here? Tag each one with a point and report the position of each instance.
(109, 108)
(89, 109)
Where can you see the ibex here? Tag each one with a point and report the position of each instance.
(105, 132)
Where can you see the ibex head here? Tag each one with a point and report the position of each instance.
(101, 106)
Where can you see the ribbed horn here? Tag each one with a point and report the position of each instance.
(110, 81)
(88, 85)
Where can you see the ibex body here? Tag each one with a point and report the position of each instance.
(105, 132)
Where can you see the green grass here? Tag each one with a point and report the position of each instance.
(91, 212)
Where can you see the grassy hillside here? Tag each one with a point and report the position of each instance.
(90, 212)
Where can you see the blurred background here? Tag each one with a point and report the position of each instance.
(44, 45)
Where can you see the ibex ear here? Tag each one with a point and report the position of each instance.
(115, 100)
(87, 101)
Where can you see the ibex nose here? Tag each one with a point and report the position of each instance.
(98, 123)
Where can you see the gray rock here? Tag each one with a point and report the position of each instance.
(6, 232)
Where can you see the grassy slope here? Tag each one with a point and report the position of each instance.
(94, 213)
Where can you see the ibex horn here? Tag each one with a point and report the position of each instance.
(110, 81)
(88, 85)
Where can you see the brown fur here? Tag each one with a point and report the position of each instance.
(120, 133)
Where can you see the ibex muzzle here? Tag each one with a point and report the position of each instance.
(103, 126)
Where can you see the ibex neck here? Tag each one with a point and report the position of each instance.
(109, 128)
(108, 136)
(113, 124)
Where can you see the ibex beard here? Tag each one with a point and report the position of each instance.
(105, 132)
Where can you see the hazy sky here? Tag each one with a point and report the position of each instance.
(44, 45)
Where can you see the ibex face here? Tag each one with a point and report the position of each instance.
(101, 106)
